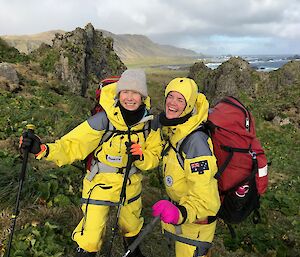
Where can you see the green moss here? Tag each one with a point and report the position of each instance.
(49, 60)
(50, 192)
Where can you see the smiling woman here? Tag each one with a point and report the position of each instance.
(133, 146)
(188, 217)
(131, 93)
(175, 105)
(130, 100)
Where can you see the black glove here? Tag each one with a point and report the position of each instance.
(30, 141)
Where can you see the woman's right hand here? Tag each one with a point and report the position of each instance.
(32, 142)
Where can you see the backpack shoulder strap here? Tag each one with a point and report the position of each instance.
(147, 128)
(181, 143)
(110, 130)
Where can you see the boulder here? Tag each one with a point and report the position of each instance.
(9, 79)
(8, 72)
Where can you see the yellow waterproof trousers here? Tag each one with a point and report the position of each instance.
(197, 232)
(97, 197)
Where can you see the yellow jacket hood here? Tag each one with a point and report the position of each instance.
(187, 88)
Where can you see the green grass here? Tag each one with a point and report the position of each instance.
(157, 61)
(11, 54)
(50, 197)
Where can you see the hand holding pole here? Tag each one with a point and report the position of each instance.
(30, 129)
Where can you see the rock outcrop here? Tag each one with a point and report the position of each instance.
(9, 79)
(8, 72)
(235, 77)
(79, 59)
(278, 90)
(230, 78)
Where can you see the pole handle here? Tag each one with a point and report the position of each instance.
(30, 127)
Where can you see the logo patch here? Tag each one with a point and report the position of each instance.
(169, 181)
(199, 167)
(115, 159)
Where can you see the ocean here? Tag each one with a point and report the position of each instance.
(264, 63)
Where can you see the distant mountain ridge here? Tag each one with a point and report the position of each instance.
(28, 43)
(127, 46)
(138, 46)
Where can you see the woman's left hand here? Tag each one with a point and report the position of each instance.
(167, 211)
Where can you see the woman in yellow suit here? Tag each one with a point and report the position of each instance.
(126, 109)
(188, 216)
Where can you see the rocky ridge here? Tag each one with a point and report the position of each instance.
(126, 46)
(277, 89)
(79, 59)
(75, 62)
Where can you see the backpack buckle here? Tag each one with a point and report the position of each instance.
(253, 154)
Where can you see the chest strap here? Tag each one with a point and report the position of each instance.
(99, 167)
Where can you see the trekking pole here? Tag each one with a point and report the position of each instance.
(30, 129)
(122, 196)
(141, 236)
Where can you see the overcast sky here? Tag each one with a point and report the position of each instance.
(206, 26)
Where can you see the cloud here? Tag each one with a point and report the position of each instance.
(223, 26)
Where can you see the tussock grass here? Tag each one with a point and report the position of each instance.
(50, 199)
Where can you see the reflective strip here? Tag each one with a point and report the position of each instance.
(99, 167)
(201, 246)
(263, 171)
(98, 202)
(107, 203)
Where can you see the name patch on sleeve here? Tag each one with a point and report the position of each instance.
(199, 167)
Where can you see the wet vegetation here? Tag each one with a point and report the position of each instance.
(50, 198)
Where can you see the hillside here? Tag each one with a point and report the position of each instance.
(36, 89)
(126, 46)
(138, 46)
(28, 43)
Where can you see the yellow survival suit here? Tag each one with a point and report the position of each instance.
(102, 188)
(192, 186)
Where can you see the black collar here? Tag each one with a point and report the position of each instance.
(132, 117)
(173, 122)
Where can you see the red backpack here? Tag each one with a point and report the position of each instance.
(242, 165)
(98, 108)
(103, 83)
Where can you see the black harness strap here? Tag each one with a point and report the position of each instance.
(231, 151)
(202, 247)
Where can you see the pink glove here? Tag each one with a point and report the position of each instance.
(167, 211)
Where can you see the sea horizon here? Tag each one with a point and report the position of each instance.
(259, 62)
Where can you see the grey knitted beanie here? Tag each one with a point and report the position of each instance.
(133, 79)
